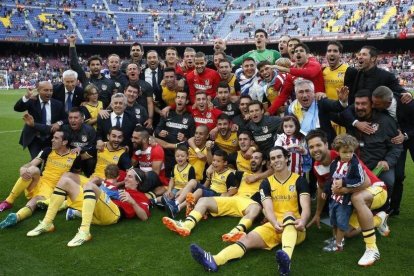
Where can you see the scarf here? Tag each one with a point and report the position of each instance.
(308, 122)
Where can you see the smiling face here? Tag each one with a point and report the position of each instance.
(181, 157)
(152, 60)
(200, 64)
(318, 149)
(217, 58)
(363, 107)
(115, 138)
(57, 140)
(171, 56)
(131, 182)
(201, 135)
(132, 94)
(132, 72)
(346, 153)
(244, 142)
(136, 52)
(291, 47)
(278, 162)
(283, 45)
(95, 67)
(180, 101)
(219, 164)
(249, 68)
(45, 90)
(223, 95)
(256, 162)
(170, 79)
(224, 70)
(244, 105)
(189, 59)
(201, 102)
(223, 127)
(219, 44)
(266, 73)
(118, 105)
(69, 82)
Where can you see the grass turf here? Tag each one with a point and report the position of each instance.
(148, 248)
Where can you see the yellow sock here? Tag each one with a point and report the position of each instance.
(20, 185)
(243, 226)
(369, 238)
(56, 200)
(289, 237)
(192, 219)
(377, 221)
(234, 251)
(151, 195)
(88, 207)
(24, 213)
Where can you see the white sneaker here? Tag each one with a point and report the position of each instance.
(40, 229)
(369, 257)
(80, 238)
(383, 228)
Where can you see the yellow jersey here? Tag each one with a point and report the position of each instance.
(238, 162)
(229, 145)
(285, 196)
(247, 189)
(223, 181)
(199, 165)
(118, 157)
(168, 96)
(181, 177)
(56, 165)
(334, 79)
(94, 110)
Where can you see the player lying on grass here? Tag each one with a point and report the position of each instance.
(243, 204)
(36, 185)
(286, 201)
(96, 205)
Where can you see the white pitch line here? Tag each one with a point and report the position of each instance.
(10, 131)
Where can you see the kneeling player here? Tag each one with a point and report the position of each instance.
(97, 207)
(58, 160)
(281, 194)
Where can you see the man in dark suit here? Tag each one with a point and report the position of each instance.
(118, 117)
(67, 92)
(48, 116)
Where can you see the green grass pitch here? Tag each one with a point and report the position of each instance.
(148, 248)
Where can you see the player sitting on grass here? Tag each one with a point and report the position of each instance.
(345, 171)
(109, 185)
(57, 160)
(219, 182)
(96, 205)
(243, 204)
(286, 201)
(182, 174)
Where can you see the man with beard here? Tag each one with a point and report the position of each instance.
(240, 160)
(228, 76)
(38, 185)
(115, 74)
(364, 198)
(187, 66)
(226, 139)
(376, 149)
(145, 98)
(268, 77)
(136, 53)
(83, 140)
(153, 74)
(219, 46)
(131, 92)
(262, 127)
(176, 128)
(305, 68)
(291, 47)
(202, 79)
(150, 159)
(243, 204)
(283, 46)
(117, 118)
(106, 87)
(261, 53)
(286, 201)
(223, 100)
(248, 77)
(240, 121)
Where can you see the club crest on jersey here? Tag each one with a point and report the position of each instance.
(185, 121)
(185, 175)
(265, 129)
(148, 157)
(375, 126)
(84, 138)
(291, 188)
(229, 107)
(207, 82)
(208, 115)
(115, 158)
(117, 84)
(104, 87)
(222, 177)
(137, 111)
(70, 160)
(234, 142)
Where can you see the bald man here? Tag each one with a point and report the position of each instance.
(48, 115)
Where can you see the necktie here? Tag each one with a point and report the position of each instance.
(154, 79)
(43, 113)
(69, 102)
(118, 121)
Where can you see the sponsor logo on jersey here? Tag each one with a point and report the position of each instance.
(104, 87)
(265, 129)
(84, 138)
(185, 121)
